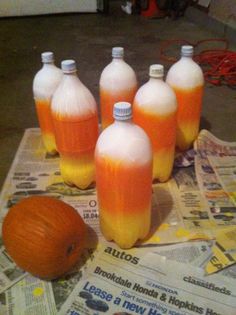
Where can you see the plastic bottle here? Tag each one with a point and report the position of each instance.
(75, 118)
(123, 159)
(117, 83)
(45, 83)
(155, 109)
(186, 78)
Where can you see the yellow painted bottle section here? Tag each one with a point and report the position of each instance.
(124, 197)
(161, 130)
(188, 115)
(76, 139)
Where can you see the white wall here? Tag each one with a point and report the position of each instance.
(35, 7)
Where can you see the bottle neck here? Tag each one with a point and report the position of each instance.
(183, 57)
(152, 79)
(117, 59)
(121, 122)
(71, 76)
(48, 64)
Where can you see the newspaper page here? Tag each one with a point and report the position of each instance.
(9, 272)
(197, 202)
(215, 165)
(215, 170)
(223, 251)
(205, 254)
(213, 260)
(122, 282)
(180, 210)
(29, 296)
(25, 296)
(225, 169)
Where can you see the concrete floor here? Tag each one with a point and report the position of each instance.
(88, 38)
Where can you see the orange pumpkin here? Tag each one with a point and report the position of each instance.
(44, 236)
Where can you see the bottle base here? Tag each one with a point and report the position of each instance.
(77, 172)
(49, 144)
(127, 232)
(186, 135)
(163, 162)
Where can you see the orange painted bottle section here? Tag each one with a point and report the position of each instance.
(161, 130)
(109, 98)
(188, 115)
(43, 108)
(125, 211)
(76, 139)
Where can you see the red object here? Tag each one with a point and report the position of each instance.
(219, 65)
(152, 10)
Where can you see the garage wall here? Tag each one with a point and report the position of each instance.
(36, 7)
(223, 11)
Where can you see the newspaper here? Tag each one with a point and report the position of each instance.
(223, 251)
(29, 296)
(225, 169)
(215, 165)
(35, 296)
(199, 201)
(9, 272)
(180, 210)
(123, 282)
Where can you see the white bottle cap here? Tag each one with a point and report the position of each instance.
(122, 111)
(156, 71)
(187, 51)
(118, 52)
(68, 66)
(47, 57)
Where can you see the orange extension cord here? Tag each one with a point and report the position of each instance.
(219, 65)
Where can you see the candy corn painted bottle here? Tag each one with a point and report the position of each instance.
(155, 109)
(186, 78)
(123, 159)
(117, 83)
(45, 83)
(75, 118)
